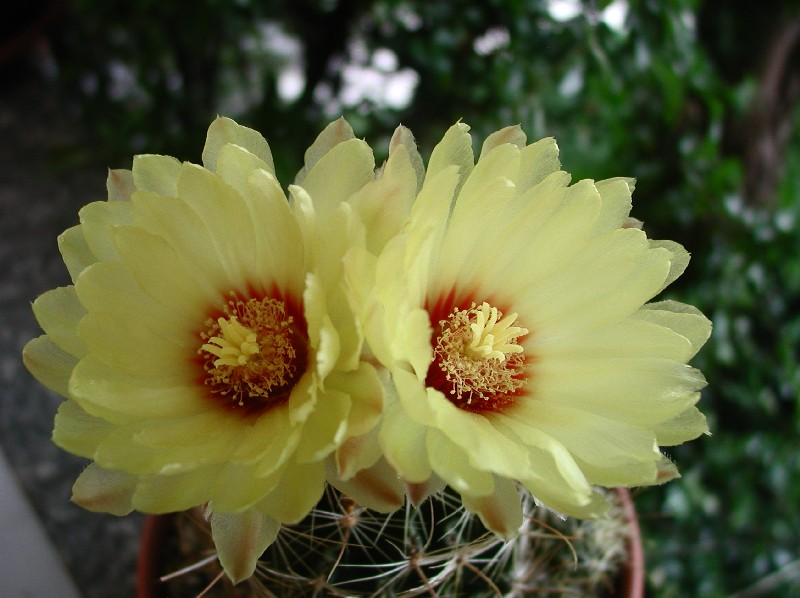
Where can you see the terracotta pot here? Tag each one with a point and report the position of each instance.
(155, 545)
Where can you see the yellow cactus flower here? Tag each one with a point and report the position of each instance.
(512, 312)
(208, 349)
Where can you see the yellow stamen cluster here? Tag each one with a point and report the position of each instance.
(477, 353)
(250, 354)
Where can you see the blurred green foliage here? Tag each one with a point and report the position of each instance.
(667, 96)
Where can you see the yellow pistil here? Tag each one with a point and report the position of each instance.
(492, 339)
(236, 344)
(253, 354)
(477, 361)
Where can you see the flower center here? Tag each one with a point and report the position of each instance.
(477, 362)
(253, 354)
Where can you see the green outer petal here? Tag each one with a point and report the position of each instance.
(384, 204)
(678, 261)
(335, 133)
(513, 135)
(684, 319)
(158, 174)
(235, 165)
(58, 313)
(686, 426)
(377, 488)
(98, 221)
(617, 203)
(500, 511)
(100, 490)
(75, 251)
(241, 538)
(223, 131)
(357, 453)
(338, 175)
(119, 185)
(403, 138)
(537, 161)
(50, 365)
(455, 149)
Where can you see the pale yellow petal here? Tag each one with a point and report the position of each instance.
(226, 218)
(111, 287)
(279, 253)
(626, 338)
(420, 492)
(236, 487)
(268, 442)
(161, 272)
(117, 396)
(322, 333)
(431, 209)
(549, 459)
(617, 273)
(326, 425)
(403, 443)
(299, 489)
(545, 235)
(486, 448)
(365, 390)
(609, 452)
(78, 432)
(447, 460)
(641, 392)
(137, 350)
(159, 494)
